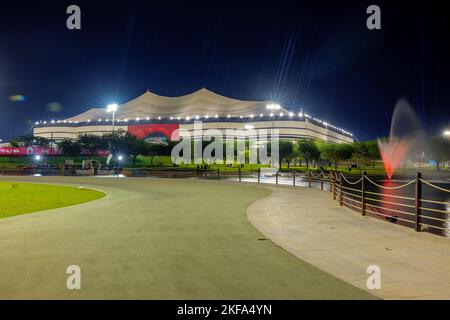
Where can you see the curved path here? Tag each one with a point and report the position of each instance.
(155, 239)
(310, 225)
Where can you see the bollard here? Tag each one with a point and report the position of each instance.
(276, 177)
(239, 170)
(418, 204)
(309, 179)
(218, 173)
(259, 175)
(293, 178)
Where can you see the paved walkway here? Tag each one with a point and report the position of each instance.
(155, 239)
(310, 225)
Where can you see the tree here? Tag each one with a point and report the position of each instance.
(286, 151)
(92, 143)
(439, 150)
(361, 153)
(308, 151)
(122, 142)
(70, 148)
(373, 152)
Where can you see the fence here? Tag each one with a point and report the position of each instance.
(417, 203)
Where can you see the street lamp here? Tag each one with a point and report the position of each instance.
(446, 133)
(273, 107)
(112, 108)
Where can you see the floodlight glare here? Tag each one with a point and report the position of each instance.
(112, 107)
(120, 158)
(37, 157)
(446, 133)
(273, 106)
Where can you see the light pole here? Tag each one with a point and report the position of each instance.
(446, 133)
(112, 108)
(273, 107)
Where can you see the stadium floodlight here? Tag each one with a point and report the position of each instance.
(113, 109)
(120, 157)
(446, 133)
(37, 157)
(272, 107)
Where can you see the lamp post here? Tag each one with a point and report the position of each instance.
(446, 133)
(273, 107)
(112, 108)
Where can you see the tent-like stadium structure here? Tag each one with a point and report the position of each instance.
(152, 115)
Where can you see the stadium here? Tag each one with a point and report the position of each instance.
(151, 116)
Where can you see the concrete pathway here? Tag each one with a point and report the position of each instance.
(310, 225)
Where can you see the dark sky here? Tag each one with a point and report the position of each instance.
(311, 54)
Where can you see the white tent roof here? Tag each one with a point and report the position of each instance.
(201, 102)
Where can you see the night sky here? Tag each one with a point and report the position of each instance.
(314, 55)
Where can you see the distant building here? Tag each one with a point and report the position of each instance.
(154, 117)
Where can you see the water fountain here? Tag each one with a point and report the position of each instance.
(405, 132)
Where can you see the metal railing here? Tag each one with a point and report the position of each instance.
(406, 204)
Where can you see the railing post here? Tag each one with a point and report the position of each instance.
(239, 170)
(309, 179)
(195, 174)
(170, 173)
(218, 173)
(363, 202)
(321, 180)
(276, 177)
(293, 178)
(259, 175)
(341, 191)
(331, 181)
(418, 204)
(334, 185)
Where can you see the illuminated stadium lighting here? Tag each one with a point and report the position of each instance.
(148, 118)
(273, 106)
(271, 114)
(126, 120)
(281, 114)
(100, 120)
(291, 114)
(228, 116)
(188, 118)
(120, 157)
(37, 157)
(251, 116)
(261, 115)
(159, 118)
(197, 117)
(248, 127)
(171, 118)
(112, 107)
(88, 120)
(300, 114)
(241, 117)
(446, 133)
(137, 119)
(206, 116)
(36, 123)
(216, 116)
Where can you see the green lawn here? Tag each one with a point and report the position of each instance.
(21, 198)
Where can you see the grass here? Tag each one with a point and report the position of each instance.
(22, 198)
(159, 239)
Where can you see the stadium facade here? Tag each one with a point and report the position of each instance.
(152, 116)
